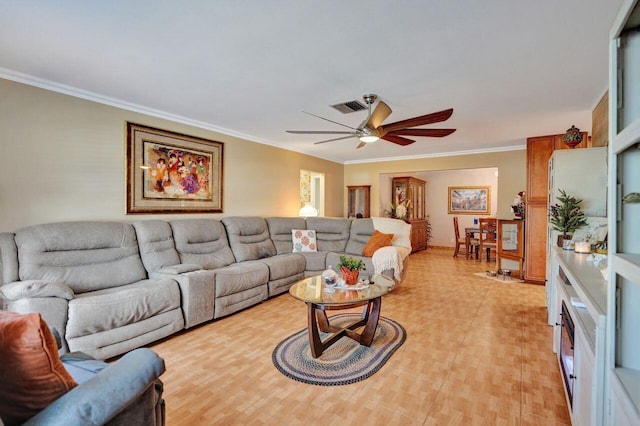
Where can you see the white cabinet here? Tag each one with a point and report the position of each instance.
(623, 338)
(581, 288)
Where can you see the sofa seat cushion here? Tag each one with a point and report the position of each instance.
(285, 265)
(32, 374)
(107, 309)
(316, 261)
(239, 277)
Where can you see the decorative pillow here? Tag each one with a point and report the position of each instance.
(303, 240)
(32, 374)
(377, 240)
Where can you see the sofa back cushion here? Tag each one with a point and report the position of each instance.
(8, 258)
(332, 233)
(86, 256)
(280, 231)
(249, 238)
(202, 242)
(155, 242)
(359, 234)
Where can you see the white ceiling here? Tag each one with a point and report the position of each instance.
(509, 68)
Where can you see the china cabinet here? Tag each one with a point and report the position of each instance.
(412, 192)
(623, 319)
(358, 200)
(511, 246)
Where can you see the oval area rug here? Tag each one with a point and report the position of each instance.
(344, 362)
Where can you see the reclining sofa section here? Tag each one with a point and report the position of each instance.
(110, 287)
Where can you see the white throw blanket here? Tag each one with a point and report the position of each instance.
(390, 257)
(394, 255)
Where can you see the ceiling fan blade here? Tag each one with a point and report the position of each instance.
(331, 121)
(379, 114)
(397, 140)
(434, 133)
(318, 132)
(335, 139)
(435, 117)
(361, 144)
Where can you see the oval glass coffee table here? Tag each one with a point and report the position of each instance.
(312, 291)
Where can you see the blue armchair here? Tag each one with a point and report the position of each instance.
(127, 392)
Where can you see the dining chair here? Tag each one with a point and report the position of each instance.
(488, 228)
(468, 242)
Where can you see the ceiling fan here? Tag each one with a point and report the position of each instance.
(371, 129)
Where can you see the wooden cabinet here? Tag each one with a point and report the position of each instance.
(539, 151)
(511, 245)
(412, 191)
(359, 201)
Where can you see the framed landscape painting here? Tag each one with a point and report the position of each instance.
(169, 172)
(469, 199)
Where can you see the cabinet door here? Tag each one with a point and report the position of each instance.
(539, 150)
(535, 265)
(583, 382)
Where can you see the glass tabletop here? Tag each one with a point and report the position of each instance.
(312, 290)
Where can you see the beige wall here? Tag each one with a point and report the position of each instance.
(63, 158)
(511, 167)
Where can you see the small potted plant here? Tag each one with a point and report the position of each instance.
(350, 269)
(566, 216)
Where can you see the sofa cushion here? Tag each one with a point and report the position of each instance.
(203, 242)
(32, 374)
(249, 238)
(359, 234)
(280, 231)
(285, 265)
(155, 241)
(377, 240)
(239, 277)
(303, 240)
(315, 260)
(107, 309)
(332, 234)
(86, 256)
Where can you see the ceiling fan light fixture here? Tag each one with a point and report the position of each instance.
(368, 138)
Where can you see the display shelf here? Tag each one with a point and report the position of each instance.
(630, 381)
(627, 265)
(627, 138)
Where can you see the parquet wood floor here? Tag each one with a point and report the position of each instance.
(478, 352)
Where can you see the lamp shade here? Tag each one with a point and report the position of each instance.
(308, 210)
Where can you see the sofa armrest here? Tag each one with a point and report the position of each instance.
(107, 394)
(35, 288)
(197, 293)
(179, 269)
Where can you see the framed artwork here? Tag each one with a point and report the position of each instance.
(469, 199)
(169, 172)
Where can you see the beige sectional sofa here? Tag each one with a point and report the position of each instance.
(110, 287)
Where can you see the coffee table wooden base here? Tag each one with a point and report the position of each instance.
(318, 321)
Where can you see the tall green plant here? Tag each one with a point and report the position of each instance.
(566, 216)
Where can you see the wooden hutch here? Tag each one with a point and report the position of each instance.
(414, 190)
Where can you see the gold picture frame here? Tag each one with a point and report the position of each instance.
(169, 172)
(469, 199)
